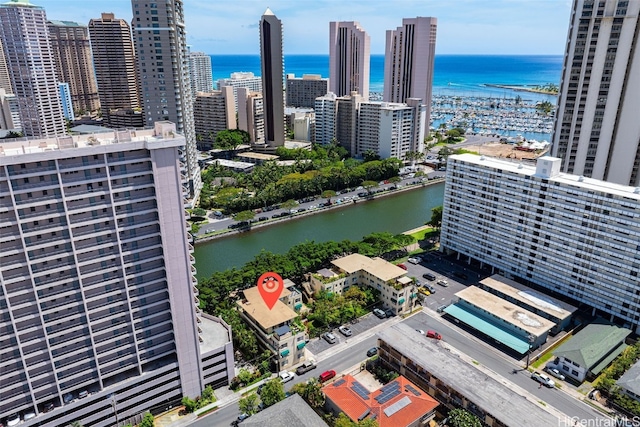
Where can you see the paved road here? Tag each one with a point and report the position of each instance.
(223, 223)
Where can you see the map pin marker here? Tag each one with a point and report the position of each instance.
(270, 286)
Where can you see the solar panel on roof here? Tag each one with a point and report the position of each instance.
(384, 398)
(412, 389)
(359, 388)
(390, 386)
(402, 403)
(339, 382)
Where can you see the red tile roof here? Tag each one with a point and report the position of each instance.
(415, 402)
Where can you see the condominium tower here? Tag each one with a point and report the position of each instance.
(72, 53)
(302, 92)
(349, 57)
(272, 73)
(251, 113)
(408, 62)
(597, 131)
(200, 73)
(213, 112)
(115, 65)
(31, 66)
(162, 59)
(567, 234)
(100, 312)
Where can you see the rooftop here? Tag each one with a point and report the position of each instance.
(509, 312)
(398, 403)
(552, 306)
(563, 178)
(254, 307)
(504, 401)
(163, 132)
(377, 267)
(214, 333)
(631, 379)
(290, 412)
(258, 156)
(593, 343)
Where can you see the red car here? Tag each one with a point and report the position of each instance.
(434, 334)
(327, 375)
(402, 266)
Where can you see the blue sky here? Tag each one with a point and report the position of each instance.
(464, 26)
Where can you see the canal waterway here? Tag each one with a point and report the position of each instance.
(394, 214)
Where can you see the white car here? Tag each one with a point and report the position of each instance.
(443, 283)
(543, 379)
(345, 331)
(286, 376)
(13, 420)
(414, 260)
(420, 331)
(554, 373)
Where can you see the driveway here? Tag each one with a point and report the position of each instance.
(365, 323)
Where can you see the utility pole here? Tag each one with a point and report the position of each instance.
(531, 338)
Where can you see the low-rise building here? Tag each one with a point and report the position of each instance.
(291, 412)
(630, 382)
(512, 326)
(457, 383)
(591, 350)
(399, 403)
(397, 291)
(276, 328)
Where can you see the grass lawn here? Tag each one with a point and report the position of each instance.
(424, 234)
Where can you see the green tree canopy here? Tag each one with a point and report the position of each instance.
(462, 418)
(230, 139)
(244, 216)
(272, 392)
(249, 404)
(436, 217)
(147, 420)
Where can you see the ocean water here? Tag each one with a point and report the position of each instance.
(455, 75)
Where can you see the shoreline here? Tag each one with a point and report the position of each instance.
(521, 88)
(229, 233)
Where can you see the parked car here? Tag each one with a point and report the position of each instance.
(263, 218)
(402, 266)
(327, 375)
(441, 308)
(83, 394)
(429, 276)
(434, 334)
(543, 379)
(329, 337)
(413, 260)
(430, 288)
(67, 398)
(241, 418)
(420, 331)
(554, 372)
(443, 283)
(13, 420)
(286, 376)
(345, 331)
(389, 312)
(372, 351)
(48, 407)
(29, 415)
(381, 314)
(306, 367)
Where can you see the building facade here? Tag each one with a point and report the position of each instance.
(574, 236)
(212, 112)
(200, 72)
(9, 112)
(597, 131)
(397, 291)
(65, 99)
(102, 317)
(390, 129)
(302, 92)
(241, 80)
(162, 60)
(272, 60)
(251, 113)
(349, 59)
(5, 80)
(325, 108)
(74, 65)
(409, 60)
(32, 68)
(115, 65)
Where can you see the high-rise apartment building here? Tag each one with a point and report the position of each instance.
(570, 235)
(115, 65)
(349, 59)
(272, 60)
(65, 98)
(302, 92)
(325, 108)
(347, 114)
(200, 72)
(32, 69)
(72, 53)
(251, 113)
(212, 112)
(408, 61)
(390, 129)
(9, 112)
(5, 80)
(162, 59)
(100, 312)
(597, 131)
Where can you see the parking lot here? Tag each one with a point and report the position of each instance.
(318, 345)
